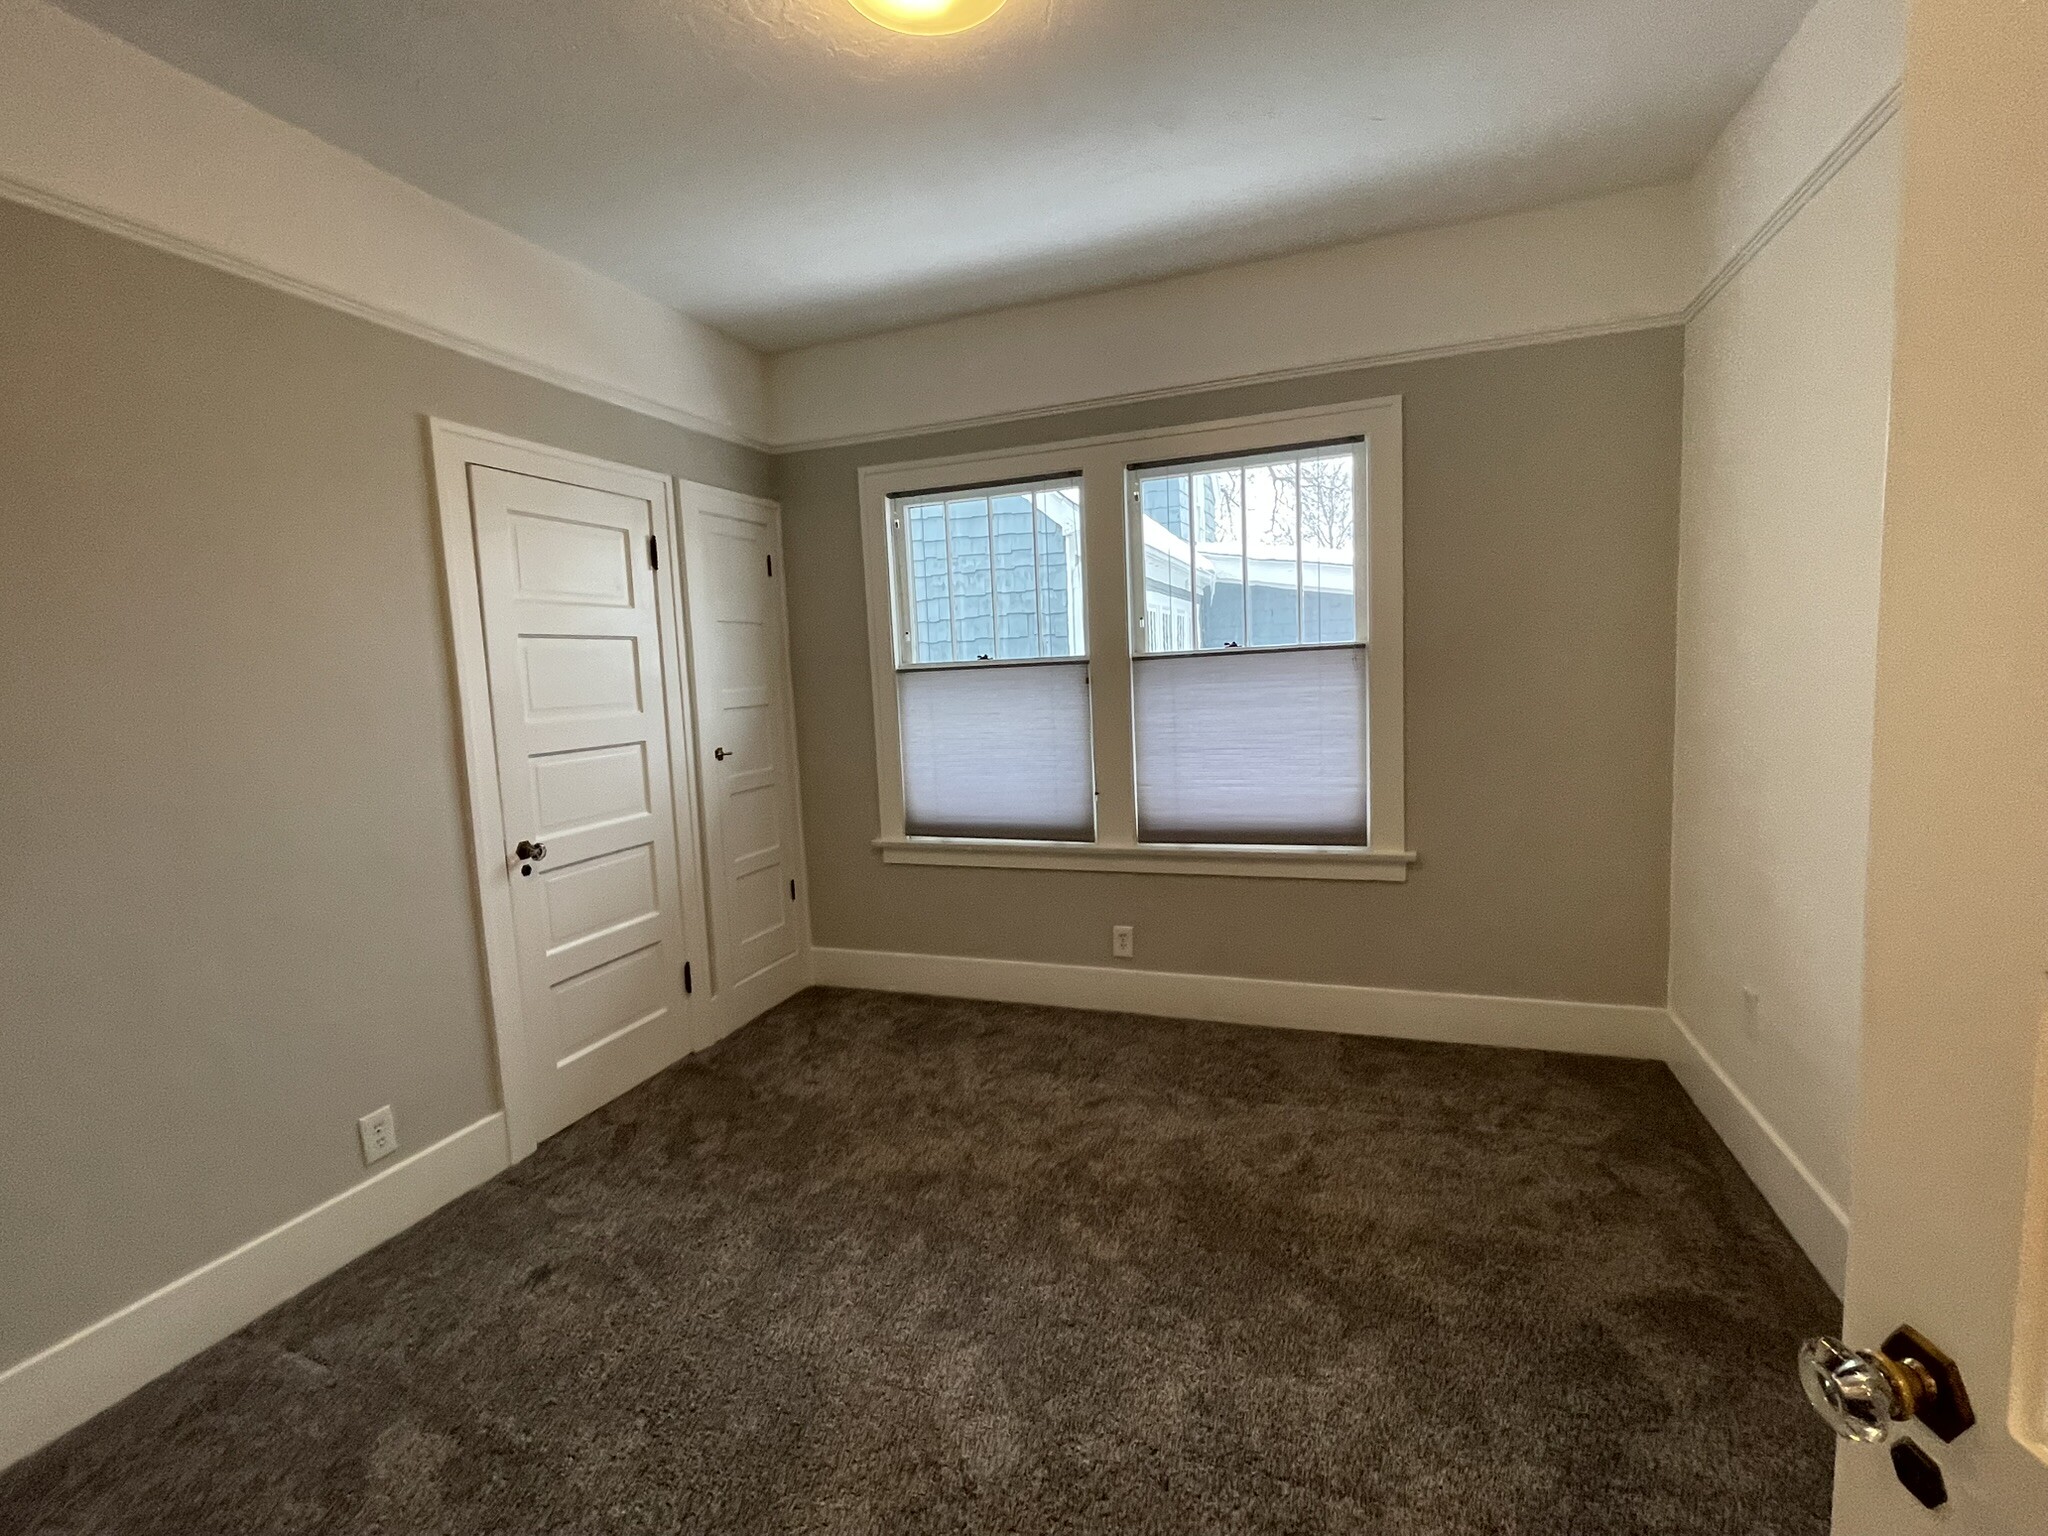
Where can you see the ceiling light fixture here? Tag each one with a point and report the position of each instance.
(928, 18)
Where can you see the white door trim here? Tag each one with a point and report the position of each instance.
(454, 448)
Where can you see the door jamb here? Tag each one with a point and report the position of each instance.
(453, 447)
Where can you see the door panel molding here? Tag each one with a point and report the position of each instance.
(517, 1039)
(726, 691)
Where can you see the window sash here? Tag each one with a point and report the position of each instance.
(1185, 638)
(903, 508)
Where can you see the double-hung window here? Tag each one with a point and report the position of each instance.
(991, 660)
(1251, 679)
(1173, 651)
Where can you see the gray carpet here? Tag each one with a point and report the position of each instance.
(898, 1265)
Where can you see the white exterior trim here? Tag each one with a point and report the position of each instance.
(1590, 1029)
(60, 1388)
(1810, 1211)
(98, 131)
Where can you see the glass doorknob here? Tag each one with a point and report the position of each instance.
(1865, 1394)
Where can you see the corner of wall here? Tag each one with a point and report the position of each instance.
(1810, 1211)
(94, 129)
(1835, 84)
(1828, 95)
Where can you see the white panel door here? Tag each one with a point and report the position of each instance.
(573, 641)
(1950, 1229)
(731, 564)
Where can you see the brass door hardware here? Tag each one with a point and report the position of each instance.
(1864, 1395)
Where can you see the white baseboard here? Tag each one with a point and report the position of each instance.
(66, 1384)
(1813, 1215)
(75, 1378)
(735, 1007)
(1810, 1212)
(1598, 1029)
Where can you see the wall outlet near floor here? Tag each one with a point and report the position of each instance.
(379, 1131)
(1123, 942)
(1752, 1014)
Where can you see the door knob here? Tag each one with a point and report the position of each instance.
(529, 849)
(1865, 1394)
(721, 754)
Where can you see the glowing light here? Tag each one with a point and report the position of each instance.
(928, 18)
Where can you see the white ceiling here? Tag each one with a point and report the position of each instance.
(791, 174)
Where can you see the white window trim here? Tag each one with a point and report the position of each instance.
(1101, 464)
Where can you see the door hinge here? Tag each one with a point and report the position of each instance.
(653, 554)
(771, 565)
(686, 978)
(792, 890)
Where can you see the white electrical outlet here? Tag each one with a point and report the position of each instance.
(1752, 1013)
(379, 1130)
(1123, 942)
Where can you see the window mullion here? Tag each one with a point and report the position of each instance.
(1037, 587)
(1103, 550)
(952, 585)
(1244, 559)
(995, 601)
(902, 583)
(1300, 569)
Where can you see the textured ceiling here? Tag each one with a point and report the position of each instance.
(790, 173)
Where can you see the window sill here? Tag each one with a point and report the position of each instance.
(1266, 863)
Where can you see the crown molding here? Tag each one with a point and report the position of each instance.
(1501, 343)
(1866, 128)
(1838, 156)
(1630, 261)
(97, 131)
(569, 318)
(222, 260)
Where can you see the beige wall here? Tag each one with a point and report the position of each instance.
(1787, 383)
(235, 903)
(1541, 520)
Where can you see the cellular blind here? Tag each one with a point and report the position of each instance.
(1252, 746)
(1251, 692)
(1003, 751)
(992, 676)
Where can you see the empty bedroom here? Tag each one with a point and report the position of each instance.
(942, 766)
